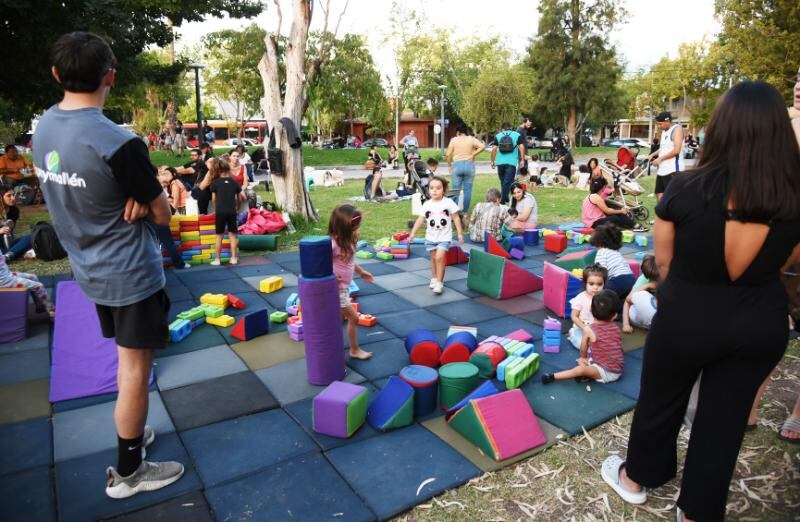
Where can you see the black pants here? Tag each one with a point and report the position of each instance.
(738, 343)
(203, 201)
(621, 220)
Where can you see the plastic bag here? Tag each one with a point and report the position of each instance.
(260, 221)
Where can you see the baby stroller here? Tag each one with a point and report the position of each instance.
(626, 188)
(410, 154)
(420, 176)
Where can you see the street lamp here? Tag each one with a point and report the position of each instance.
(197, 67)
(649, 110)
(441, 131)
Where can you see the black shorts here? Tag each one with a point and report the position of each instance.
(142, 325)
(223, 220)
(662, 182)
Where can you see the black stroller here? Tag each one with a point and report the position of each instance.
(420, 175)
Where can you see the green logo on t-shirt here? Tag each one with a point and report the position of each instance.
(52, 161)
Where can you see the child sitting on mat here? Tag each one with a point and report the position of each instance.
(439, 213)
(607, 238)
(641, 304)
(605, 363)
(649, 276)
(594, 279)
(489, 216)
(343, 229)
(9, 279)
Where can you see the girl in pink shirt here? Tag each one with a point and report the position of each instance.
(343, 229)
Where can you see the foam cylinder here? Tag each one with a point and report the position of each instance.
(425, 382)
(322, 329)
(423, 348)
(456, 381)
(486, 357)
(531, 236)
(316, 257)
(258, 241)
(457, 348)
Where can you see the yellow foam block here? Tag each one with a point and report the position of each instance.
(215, 299)
(270, 284)
(548, 232)
(208, 240)
(190, 235)
(207, 227)
(222, 320)
(577, 272)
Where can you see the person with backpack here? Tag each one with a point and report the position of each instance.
(508, 154)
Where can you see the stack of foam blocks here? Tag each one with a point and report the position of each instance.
(519, 365)
(211, 310)
(552, 335)
(195, 238)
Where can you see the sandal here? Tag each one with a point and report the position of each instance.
(790, 425)
(610, 472)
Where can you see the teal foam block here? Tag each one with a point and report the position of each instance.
(250, 443)
(304, 488)
(408, 458)
(28, 496)
(569, 406)
(79, 482)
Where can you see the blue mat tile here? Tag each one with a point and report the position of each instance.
(191, 507)
(423, 297)
(25, 445)
(401, 323)
(385, 302)
(198, 275)
(388, 358)
(365, 288)
(253, 301)
(301, 412)
(460, 285)
(505, 325)
(400, 280)
(190, 368)
(379, 269)
(291, 266)
(231, 449)
(412, 264)
(220, 286)
(628, 384)
(465, 312)
(171, 277)
(304, 488)
(84, 431)
(368, 335)
(80, 482)
(83, 402)
(202, 337)
(638, 354)
(568, 405)
(178, 293)
(537, 317)
(564, 359)
(24, 366)
(278, 299)
(284, 256)
(28, 496)
(38, 339)
(408, 458)
(255, 270)
(222, 398)
(176, 307)
(288, 382)
(254, 282)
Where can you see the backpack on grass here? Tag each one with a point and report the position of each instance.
(45, 242)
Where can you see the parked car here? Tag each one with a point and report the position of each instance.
(627, 142)
(247, 142)
(378, 142)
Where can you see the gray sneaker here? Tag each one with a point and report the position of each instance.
(149, 477)
(147, 439)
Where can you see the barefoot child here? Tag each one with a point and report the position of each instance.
(605, 363)
(439, 213)
(226, 194)
(343, 229)
(594, 279)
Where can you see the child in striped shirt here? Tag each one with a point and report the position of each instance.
(607, 239)
(605, 363)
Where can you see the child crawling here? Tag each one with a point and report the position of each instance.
(605, 364)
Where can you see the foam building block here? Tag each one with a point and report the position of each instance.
(579, 259)
(316, 257)
(559, 287)
(486, 357)
(364, 254)
(292, 300)
(278, 317)
(193, 314)
(340, 409)
(386, 256)
(552, 336)
(353, 288)
(295, 331)
(270, 284)
(14, 325)
(362, 243)
(469, 329)
(236, 302)
(257, 241)
(501, 425)
(495, 248)
(210, 310)
(627, 236)
(179, 329)
(223, 320)
(497, 278)
(215, 299)
(252, 325)
(367, 320)
(520, 335)
(520, 370)
(393, 407)
(641, 240)
(555, 243)
(517, 254)
(423, 348)
(484, 390)
(531, 236)
(455, 256)
(458, 347)
(425, 382)
(636, 267)
(456, 381)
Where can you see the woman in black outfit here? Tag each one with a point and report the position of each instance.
(723, 234)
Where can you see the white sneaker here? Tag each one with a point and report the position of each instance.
(215, 262)
(438, 288)
(433, 283)
(234, 260)
(150, 476)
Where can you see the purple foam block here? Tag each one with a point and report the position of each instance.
(551, 349)
(296, 328)
(322, 329)
(14, 325)
(517, 253)
(296, 336)
(291, 310)
(400, 256)
(329, 408)
(552, 324)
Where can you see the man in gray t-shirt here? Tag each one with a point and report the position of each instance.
(101, 189)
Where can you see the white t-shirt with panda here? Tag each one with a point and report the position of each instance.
(439, 219)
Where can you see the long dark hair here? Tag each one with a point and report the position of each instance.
(514, 186)
(343, 228)
(750, 155)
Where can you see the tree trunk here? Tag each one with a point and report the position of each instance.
(351, 121)
(572, 124)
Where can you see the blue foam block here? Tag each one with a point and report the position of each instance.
(484, 390)
(516, 242)
(304, 488)
(316, 257)
(251, 443)
(391, 398)
(408, 458)
(25, 445)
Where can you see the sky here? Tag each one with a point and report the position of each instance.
(653, 29)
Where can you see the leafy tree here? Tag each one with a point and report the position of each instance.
(497, 96)
(30, 29)
(760, 39)
(188, 113)
(575, 66)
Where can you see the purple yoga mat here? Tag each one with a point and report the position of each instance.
(322, 329)
(84, 362)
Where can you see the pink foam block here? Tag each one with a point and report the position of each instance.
(556, 282)
(519, 335)
(511, 424)
(518, 281)
(635, 266)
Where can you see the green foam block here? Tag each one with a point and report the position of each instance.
(485, 273)
(364, 254)
(258, 242)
